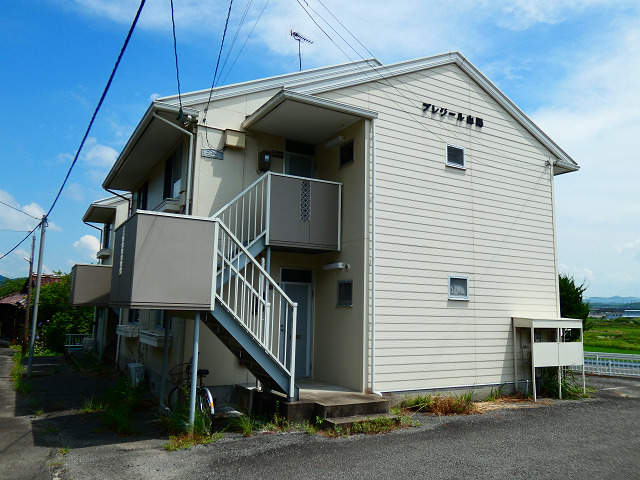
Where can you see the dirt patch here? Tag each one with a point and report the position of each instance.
(509, 402)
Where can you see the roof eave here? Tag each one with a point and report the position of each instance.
(155, 108)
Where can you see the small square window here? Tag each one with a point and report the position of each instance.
(346, 153)
(345, 293)
(458, 288)
(455, 156)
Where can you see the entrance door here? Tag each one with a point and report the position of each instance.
(299, 165)
(298, 285)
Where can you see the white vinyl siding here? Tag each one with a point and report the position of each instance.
(493, 222)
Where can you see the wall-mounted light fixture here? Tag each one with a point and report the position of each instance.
(336, 141)
(336, 266)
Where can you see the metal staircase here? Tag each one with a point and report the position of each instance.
(250, 313)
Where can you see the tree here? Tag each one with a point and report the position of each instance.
(571, 304)
(11, 286)
(56, 317)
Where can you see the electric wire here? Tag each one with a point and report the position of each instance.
(235, 37)
(386, 80)
(18, 210)
(84, 139)
(245, 41)
(411, 116)
(215, 73)
(175, 53)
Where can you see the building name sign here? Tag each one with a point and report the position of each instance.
(442, 111)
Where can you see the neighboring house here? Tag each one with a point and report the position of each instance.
(12, 307)
(631, 314)
(407, 209)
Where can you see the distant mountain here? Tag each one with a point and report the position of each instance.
(3, 279)
(613, 300)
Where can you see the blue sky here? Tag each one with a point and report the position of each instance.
(572, 66)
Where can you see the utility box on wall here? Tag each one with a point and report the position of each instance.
(163, 261)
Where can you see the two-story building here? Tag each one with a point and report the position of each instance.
(374, 227)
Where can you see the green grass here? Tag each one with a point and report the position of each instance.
(613, 336)
(610, 350)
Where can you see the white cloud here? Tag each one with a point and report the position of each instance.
(87, 246)
(17, 217)
(98, 156)
(633, 247)
(579, 274)
(153, 96)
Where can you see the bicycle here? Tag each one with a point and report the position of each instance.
(178, 398)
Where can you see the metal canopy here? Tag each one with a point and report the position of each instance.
(99, 214)
(148, 145)
(304, 118)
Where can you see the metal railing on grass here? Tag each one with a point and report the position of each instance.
(612, 364)
(74, 341)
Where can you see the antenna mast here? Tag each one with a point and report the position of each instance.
(299, 38)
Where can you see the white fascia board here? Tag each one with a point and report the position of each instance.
(564, 160)
(376, 74)
(307, 99)
(281, 81)
(155, 107)
(381, 73)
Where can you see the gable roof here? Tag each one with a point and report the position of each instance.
(325, 79)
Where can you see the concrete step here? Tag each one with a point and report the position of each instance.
(345, 408)
(348, 422)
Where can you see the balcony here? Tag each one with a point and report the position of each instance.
(90, 285)
(166, 261)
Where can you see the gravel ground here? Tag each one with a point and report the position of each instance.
(594, 438)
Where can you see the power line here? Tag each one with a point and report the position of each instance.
(22, 241)
(215, 73)
(18, 210)
(84, 139)
(245, 42)
(175, 52)
(95, 113)
(235, 37)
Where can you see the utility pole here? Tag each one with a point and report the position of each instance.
(43, 227)
(299, 38)
(28, 306)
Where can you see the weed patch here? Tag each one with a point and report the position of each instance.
(119, 404)
(186, 441)
(440, 405)
(90, 405)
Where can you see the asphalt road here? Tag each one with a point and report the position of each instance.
(594, 438)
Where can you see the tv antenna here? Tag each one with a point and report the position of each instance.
(299, 38)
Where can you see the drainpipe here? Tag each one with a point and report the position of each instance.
(188, 207)
(373, 255)
(165, 360)
(129, 208)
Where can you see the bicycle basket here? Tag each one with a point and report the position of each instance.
(178, 374)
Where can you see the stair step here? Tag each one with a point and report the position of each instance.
(338, 410)
(347, 422)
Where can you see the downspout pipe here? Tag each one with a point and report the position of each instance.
(373, 255)
(188, 208)
(128, 199)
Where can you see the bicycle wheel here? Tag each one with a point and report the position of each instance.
(177, 399)
(204, 405)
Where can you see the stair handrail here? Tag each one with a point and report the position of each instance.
(252, 205)
(258, 310)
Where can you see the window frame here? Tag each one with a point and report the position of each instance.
(341, 162)
(452, 296)
(344, 303)
(464, 157)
